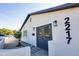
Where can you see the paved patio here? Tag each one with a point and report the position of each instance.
(36, 51)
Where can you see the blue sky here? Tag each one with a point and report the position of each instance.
(12, 15)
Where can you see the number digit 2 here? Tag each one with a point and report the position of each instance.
(67, 29)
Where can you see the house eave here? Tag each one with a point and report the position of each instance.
(57, 8)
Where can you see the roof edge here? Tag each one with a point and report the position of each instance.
(60, 7)
(25, 21)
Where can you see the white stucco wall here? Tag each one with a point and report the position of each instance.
(58, 46)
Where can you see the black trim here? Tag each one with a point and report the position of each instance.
(61, 7)
(24, 22)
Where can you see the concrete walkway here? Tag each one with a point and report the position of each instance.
(36, 51)
(23, 51)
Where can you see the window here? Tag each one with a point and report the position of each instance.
(45, 30)
(25, 33)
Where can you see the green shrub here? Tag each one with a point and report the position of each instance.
(17, 34)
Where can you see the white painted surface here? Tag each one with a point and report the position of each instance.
(51, 48)
(29, 38)
(58, 46)
(24, 51)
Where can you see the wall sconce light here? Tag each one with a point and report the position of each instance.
(30, 19)
(33, 34)
(33, 28)
(55, 23)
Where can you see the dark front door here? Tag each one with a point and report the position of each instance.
(44, 34)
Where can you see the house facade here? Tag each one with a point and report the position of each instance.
(55, 29)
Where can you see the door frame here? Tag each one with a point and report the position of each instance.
(41, 26)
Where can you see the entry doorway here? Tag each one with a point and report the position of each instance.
(44, 34)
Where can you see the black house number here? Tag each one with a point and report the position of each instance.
(67, 29)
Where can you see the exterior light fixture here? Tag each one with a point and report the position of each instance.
(30, 19)
(33, 34)
(55, 23)
(33, 28)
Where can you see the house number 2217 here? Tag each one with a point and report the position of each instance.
(67, 29)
